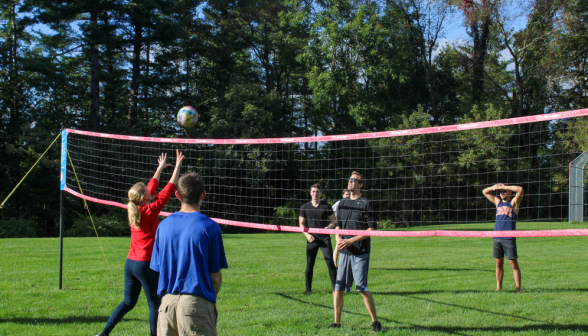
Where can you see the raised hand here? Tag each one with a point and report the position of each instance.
(176, 174)
(179, 158)
(162, 161)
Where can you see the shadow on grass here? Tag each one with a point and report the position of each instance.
(285, 296)
(462, 330)
(459, 306)
(415, 328)
(433, 269)
(63, 320)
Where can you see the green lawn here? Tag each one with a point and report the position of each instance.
(422, 286)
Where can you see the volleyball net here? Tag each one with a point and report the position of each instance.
(423, 182)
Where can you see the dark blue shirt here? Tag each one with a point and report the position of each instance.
(506, 218)
(188, 247)
(356, 214)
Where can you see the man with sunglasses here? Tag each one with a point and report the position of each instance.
(354, 213)
(507, 212)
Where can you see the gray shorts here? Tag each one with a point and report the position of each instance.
(504, 246)
(353, 268)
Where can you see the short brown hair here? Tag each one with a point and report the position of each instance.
(190, 188)
(344, 191)
(317, 185)
(361, 178)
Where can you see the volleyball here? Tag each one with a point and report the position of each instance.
(187, 116)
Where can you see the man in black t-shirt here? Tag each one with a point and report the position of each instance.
(317, 214)
(354, 213)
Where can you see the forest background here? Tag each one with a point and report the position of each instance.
(274, 68)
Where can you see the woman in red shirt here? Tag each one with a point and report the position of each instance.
(144, 222)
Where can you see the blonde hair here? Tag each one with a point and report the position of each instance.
(136, 194)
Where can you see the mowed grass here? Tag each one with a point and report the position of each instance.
(421, 286)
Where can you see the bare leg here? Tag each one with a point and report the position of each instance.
(338, 305)
(499, 273)
(517, 273)
(368, 300)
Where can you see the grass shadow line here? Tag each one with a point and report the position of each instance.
(63, 320)
(433, 269)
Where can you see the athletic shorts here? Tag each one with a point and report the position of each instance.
(505, 246)
(353, 268)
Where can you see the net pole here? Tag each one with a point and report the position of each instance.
(63, 176)
(61, 239)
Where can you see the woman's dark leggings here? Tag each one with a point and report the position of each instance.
(137, 275)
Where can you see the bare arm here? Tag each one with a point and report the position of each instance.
(302, 224)
(217, 281)
(176, 173)
(162, 164)
(488, 193)
(516, 201)
(332, 223)
(345, 243)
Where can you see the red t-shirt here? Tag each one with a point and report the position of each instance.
(142, 240)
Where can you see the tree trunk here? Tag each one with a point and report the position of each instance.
(519, 82)
(94, 70)
(481, 35)
(147, 71)
(133, 111)
(480, 20)
(13, 71)
(434, 112)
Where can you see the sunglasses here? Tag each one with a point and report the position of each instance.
(353, 180)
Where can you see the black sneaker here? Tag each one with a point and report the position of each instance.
(308, 291)
(103, 333)
(334, 325)
(376, 326)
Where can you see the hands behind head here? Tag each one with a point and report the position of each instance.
(179, 158)
(498, 186)
(162, 161)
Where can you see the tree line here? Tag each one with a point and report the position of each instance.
(274, 68)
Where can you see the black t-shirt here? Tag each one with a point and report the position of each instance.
(317, 217)
(356, 215)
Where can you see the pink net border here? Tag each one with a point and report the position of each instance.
(375, 135)
(431, 233)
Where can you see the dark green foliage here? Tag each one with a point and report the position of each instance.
(17, 228)
(108, 225)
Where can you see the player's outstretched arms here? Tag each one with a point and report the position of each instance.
(488, 193)
(176, 174)
(162, 164)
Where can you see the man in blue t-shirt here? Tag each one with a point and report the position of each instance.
(507, 212)
(188, 254)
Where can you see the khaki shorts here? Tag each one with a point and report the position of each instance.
(184, 314)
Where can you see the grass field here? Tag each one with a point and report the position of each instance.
(421, 286)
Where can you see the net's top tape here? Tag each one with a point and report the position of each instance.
(430, 233)
(375, 135)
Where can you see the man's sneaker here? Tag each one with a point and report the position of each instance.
(103, 333)
(308, 291)
(376, 326)
(334, 325)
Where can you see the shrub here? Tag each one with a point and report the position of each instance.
(17, 228)
(108, 225)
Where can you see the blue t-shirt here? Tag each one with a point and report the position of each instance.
(188, 247)
(506, 218)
